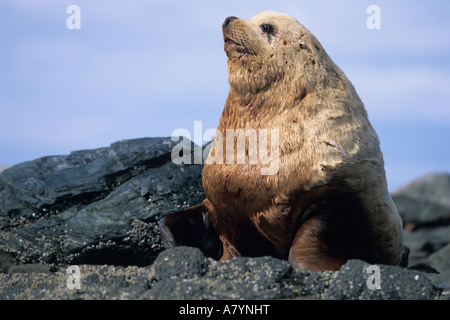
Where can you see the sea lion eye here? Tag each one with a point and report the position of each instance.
(267, 28)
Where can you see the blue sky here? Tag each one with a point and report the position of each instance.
(145, 68)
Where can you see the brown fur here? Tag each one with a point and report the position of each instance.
(328, 202)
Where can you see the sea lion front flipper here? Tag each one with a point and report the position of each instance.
(311, 249)
(190, 227)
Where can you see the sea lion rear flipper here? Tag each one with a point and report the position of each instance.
(190, 227)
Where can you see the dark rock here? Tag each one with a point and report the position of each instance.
(197, 277)
(80, 208)
(6, 260)
(30, 268)
(396, 283)
(96, 282)
(180, 263)
(442, 281)
(304, 284)
(185, 273)
(245, 278)
(423, 267)
(239, 278)
(425, 201)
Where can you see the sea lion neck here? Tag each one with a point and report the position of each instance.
(249, 108)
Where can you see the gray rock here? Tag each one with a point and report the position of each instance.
(351, 283)
(180, 263)
(440, 260)
(425, 200)
(197, 277)
(184, 273)
(424, 242)
(30, 268)
(96, 283)
(424, 205)
(303, 284)
(6, 260)
(269, 278)
(442, 281)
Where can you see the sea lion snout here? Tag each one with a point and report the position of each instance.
(227, 22)
(238, 43)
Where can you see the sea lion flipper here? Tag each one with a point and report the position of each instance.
(310, 249)
(190, 227)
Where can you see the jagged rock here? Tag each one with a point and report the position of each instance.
(80, 208)
(185, 273)
(351, 283)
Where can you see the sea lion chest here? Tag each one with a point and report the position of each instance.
(237, 190)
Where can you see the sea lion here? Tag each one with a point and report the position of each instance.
(328, 201)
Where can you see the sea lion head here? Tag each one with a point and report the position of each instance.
(267, 48)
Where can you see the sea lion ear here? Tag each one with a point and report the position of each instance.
(190, 227)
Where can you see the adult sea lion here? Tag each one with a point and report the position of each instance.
(328, 201)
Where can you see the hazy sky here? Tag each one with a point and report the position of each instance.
(145, 68)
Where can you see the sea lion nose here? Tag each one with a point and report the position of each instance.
(227, 22)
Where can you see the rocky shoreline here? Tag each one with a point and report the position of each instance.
(98, 210)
